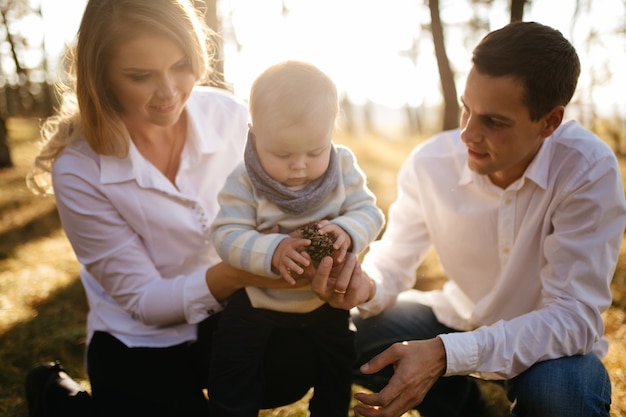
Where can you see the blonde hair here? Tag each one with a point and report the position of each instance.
(292, 91)
(87, 106)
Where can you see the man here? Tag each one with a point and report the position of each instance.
(526, 215)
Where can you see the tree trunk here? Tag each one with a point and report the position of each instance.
(47, 108)
(517, 10)
(5, 154)
(450, 99)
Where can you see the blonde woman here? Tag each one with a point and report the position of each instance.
(137, 155)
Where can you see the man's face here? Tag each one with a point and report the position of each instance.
(501, 139)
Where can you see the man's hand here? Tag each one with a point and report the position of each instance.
(342, 286)
(417, 366)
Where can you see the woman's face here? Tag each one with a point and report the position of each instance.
(151, 78)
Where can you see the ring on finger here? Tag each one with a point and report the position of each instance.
(336, 291)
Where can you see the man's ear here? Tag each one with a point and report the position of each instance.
(552, 120)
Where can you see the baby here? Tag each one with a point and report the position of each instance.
(292, 175)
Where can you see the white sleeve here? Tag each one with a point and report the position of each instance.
(581, 256)
(392, 261)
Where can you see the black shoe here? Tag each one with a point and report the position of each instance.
(50, 392)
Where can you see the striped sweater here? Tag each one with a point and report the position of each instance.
(244, 212)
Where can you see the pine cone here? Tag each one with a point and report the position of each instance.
(321, 245)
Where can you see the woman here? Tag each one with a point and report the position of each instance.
(137, 155)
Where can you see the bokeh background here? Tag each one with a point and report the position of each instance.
(395, 92)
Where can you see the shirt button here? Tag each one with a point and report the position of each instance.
(507, 201)
(505, 250)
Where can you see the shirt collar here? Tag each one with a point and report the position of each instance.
(537, 170)
(539, 167)
(202, 137)
(136, 167)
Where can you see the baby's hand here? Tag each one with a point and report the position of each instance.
(342, 243)
(288, 260)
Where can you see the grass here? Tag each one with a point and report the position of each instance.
(43, 307)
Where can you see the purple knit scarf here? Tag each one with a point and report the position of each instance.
(289, 200)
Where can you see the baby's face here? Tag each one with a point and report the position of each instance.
(294, 154)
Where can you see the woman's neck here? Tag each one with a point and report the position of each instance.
(161, 146)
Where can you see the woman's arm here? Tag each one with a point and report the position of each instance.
(223, 280)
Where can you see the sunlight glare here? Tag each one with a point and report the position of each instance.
(380, 53)
(358, 43)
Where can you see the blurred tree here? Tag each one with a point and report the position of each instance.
(209, 9)
(446, 75)
(5, 152)
(517, 10)
(24, 90)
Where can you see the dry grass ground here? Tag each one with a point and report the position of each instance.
(42, 304)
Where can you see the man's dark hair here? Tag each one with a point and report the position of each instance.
(538, 56)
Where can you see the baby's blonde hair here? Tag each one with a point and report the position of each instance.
(291, 91)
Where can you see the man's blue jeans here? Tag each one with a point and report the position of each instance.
(569, 387)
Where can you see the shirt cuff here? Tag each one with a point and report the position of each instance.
(198, 301)
(373, 306)
(461, 353)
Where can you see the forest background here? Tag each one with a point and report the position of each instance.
(398, 64)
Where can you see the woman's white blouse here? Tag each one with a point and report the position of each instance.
(143, 243)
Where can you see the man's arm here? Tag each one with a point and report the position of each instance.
(580, 256)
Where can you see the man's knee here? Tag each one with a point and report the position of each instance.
(406, 320)
(571, 386)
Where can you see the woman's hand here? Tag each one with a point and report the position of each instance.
(342, 286)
